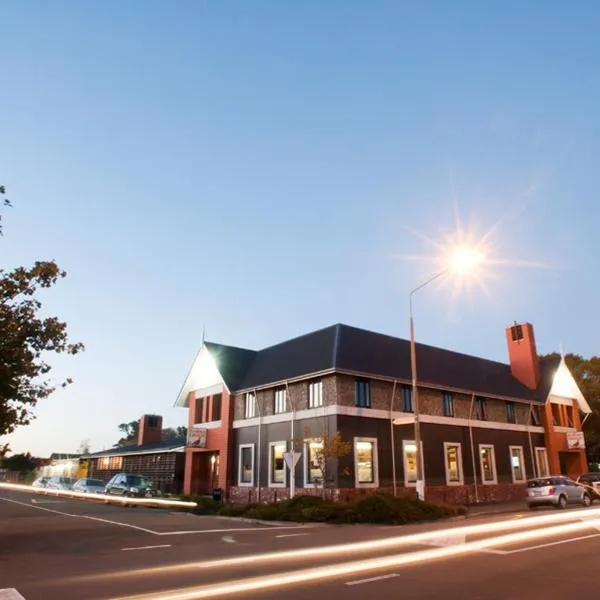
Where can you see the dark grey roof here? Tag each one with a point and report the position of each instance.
(231, 362)
(165, 446)
(341, 347)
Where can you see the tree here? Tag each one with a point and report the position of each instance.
(19, 462)
(26, 338)
(586, 372)
(3, 203)
(131, 430)
(326, 450)
(84, 447)
(170, 433)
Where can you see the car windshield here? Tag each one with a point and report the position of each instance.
(67, 480)
(94, 482)
(537, 483)
(139, 481)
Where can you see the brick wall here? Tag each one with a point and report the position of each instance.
(457, 495)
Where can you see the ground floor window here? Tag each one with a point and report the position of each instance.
(409, 458)
(541, 461)
(313, 474)
(517, 464)
(365, 462)
(487, 460)
(453, 463)
(277, 464)
(246, 465)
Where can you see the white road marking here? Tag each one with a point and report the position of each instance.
(228, 539)
(65, 514)
(34, 501)
(146, 547)
(290, 535)
(10, 594)
(371, 579)
(539, 546)
(267, 528)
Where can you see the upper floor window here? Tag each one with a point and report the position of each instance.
(407, 400)
(448, 404)
(315, 394)
(536, 418)
(200, 413)
(249, 405)
(280, 401)
(217, 402)
(481, 408)
(362, 393)
(511, 416)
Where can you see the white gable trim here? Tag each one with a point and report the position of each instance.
(564, 389)
(203, 375)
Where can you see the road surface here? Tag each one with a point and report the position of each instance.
(58, 548)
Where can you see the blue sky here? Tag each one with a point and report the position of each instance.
(258, 168)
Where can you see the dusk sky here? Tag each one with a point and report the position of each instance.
(264, 169)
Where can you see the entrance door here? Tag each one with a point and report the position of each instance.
(205, 472)
(569, 464)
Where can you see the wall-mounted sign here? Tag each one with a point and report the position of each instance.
(197, 437)
(575, 440)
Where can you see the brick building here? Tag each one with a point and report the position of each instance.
(160, 460)
(486, 426)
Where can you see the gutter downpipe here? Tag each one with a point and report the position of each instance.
(259, 445)
(473, 450)
(392, 441)
(534, 468)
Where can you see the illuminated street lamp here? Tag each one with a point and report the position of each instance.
(461, 260)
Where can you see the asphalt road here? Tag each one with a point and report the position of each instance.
(58, 548)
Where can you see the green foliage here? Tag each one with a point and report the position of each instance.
(205, 505)
(130, 433)
(22, 463)
(370, 508)
(25, 338)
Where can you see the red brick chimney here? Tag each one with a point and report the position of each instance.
(522, 353)
(150, 430)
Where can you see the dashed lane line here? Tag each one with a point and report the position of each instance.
(372, 579)
(146, 547)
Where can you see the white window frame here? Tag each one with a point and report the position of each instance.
(280, 401)
(315, 393)
(461, 474)
(494, 481)
(521, 451)
(240, 482)
(275, 484)
(404, 465)
(537, 461)
(375, 482)
(307, 483)
(249, 402)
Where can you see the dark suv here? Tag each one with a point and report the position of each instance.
(134, 486)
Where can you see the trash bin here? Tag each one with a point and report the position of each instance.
(217, 494)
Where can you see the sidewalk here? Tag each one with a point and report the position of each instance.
(496, 508)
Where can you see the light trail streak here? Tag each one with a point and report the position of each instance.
(354, 567)
(81, 496)
(370, 546)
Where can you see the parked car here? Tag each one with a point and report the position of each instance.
(89, 486)
(556, 491)
(127, 484)
(591, 481)
(41, 482)
(60, 483)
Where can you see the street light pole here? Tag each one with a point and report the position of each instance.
(415, 388)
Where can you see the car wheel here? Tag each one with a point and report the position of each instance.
(562, 502)
(587, 500)
(531, 507)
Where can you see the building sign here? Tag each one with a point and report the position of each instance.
(575, 440)
(197, 437)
